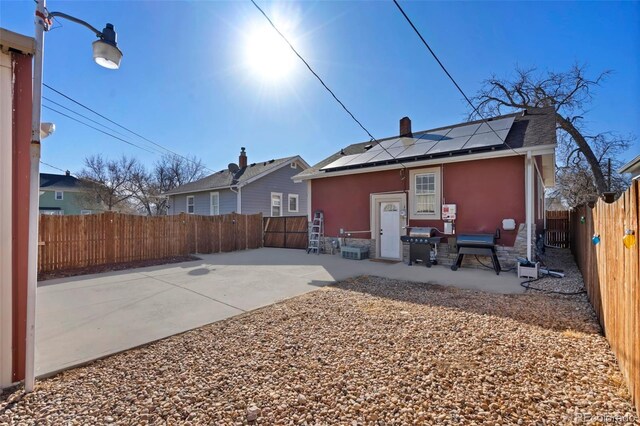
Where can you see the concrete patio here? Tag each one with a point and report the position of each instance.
(83, 318)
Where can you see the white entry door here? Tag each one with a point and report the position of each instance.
(390, 230)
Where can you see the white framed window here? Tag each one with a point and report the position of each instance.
(293, 203)
(85, 212)
(59, 195)
(214, 205)
(191, 205)
(425, 193)
(276, 204)
(294, 165)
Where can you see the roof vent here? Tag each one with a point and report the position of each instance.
(368, 147)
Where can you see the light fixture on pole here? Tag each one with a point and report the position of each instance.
(106, 54)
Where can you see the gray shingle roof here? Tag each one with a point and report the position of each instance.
(225, 179)
(536, 127)
(53, 182)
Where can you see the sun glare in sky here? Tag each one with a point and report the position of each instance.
(267, 55)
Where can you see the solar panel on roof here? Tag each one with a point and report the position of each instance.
(417, 149)
(390, 154)
(449, 145)
(436, 142)
(485, 140)
(385, 144)
(500, 124)
(340, 162)
(467, 130)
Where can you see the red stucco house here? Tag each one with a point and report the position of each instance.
(490, 170)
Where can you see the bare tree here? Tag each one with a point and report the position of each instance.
(109, 181)
(167, 173)
(582, 158)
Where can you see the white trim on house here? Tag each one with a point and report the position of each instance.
(309, 212)
(239, 201)
(291, 197)
(284, 164)
(529, 213)
(193, 204)
(436, 172)
(374, 216)
(279, 194)
(6, 224)
(214, 210)
(542, 150)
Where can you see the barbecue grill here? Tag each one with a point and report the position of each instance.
(477, 244)
(423, 245)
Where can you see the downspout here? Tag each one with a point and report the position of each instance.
(238, 198)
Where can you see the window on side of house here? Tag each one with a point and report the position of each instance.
(191, 205)
(85, 212)
(293, 203)
(214, 209)
(294, 165)
(59, 195)
(425, 194)
(276, 204)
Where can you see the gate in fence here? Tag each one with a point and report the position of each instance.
(286, 232)
(558, 230)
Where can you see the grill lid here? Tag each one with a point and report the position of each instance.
(422, 232)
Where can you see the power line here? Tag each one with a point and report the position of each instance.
(373, 139)
(81, 115)
(120, 125)
(99, 130)
(52, 166)
(475, 109)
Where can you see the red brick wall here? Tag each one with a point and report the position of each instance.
(485, 191)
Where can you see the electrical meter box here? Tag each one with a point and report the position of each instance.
(448, 212)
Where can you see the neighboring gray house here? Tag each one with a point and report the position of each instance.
(265, 187)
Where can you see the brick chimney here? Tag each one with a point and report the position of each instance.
(405, 127)
(242, 160)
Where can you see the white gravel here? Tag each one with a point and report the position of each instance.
(367, 351)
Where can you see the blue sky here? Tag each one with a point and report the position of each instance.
(184, 83)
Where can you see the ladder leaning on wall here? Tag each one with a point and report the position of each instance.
(316, 233)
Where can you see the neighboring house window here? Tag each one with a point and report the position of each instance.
(59, 195)
(276, 204)
(293, 203)
(190, 204)
(85, 211)
(215, 204)
(425, 193)
(294, 165)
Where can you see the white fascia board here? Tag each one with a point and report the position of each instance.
(284, 164)
(537, 150)
(192, 191)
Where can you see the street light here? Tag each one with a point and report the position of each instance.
(106, 54)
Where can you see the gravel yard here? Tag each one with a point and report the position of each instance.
(365, 351)
(559, 260)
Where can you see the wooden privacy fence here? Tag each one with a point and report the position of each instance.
(71, 242)
(558, 229)
(612, 276)
(286, 232)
